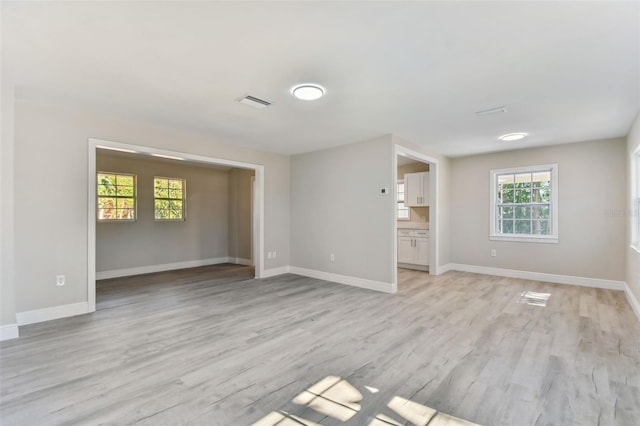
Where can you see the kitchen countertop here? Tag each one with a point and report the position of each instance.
(402, 224)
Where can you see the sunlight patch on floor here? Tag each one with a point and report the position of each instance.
(534, 298)
(335, 397)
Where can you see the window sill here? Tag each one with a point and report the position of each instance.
(523, 239)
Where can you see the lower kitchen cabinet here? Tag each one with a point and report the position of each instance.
(413, 248)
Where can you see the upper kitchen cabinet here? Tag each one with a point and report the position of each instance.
(416, 189)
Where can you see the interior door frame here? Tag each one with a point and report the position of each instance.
(257, 237)
(433, 208)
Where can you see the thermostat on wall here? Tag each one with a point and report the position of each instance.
(384, 191)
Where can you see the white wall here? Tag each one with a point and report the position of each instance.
(147, 242)
(632, 256)
(591, 184)
(336, 207)
(51, 152)
(7, 288)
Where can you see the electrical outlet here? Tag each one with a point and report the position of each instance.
(494, 253)
(60, 280)
(332, 257)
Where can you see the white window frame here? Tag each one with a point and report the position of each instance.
(408, 209)
(553, 213)
(135, 197)
(183, 199)
(634, 212)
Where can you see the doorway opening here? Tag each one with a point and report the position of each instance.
(415, 212)
(181, 214)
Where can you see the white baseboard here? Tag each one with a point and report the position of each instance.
(239, 261)
(633, 301)
(539, 276)
(9, 331)
(414, 267)
(444, 268)
(344, 279)
(116, 273)
(48, 314)
(267, 273)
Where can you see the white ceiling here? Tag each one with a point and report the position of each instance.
(567, 71)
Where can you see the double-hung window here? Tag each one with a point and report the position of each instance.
(524, 204)
(403, 211)
(116, 197)
(169, 198)
(635, 200)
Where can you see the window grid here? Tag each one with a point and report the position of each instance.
(116, 197)
(169, 198)
(523, 203)
(403, 211)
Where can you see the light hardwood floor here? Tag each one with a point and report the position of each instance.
(211, 346)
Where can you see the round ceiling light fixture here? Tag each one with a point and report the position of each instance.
(512, 137)
(308, 92)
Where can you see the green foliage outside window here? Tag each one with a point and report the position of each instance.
(524, 203)
(116, 196)
(169, 198)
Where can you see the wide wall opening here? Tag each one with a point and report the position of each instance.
(180, 216)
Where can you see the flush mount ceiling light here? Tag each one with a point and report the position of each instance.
(308, 92)
(512, 137)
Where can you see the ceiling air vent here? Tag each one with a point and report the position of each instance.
(498, 110)
(252, 101)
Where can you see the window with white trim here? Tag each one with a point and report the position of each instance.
(635, 200)
(169, 195)
(524, 204)
(116, 197)
(403, 211)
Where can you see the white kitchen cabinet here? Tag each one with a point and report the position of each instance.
(413, 248)
(416, 189)
(405, 250)
(422, 251)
